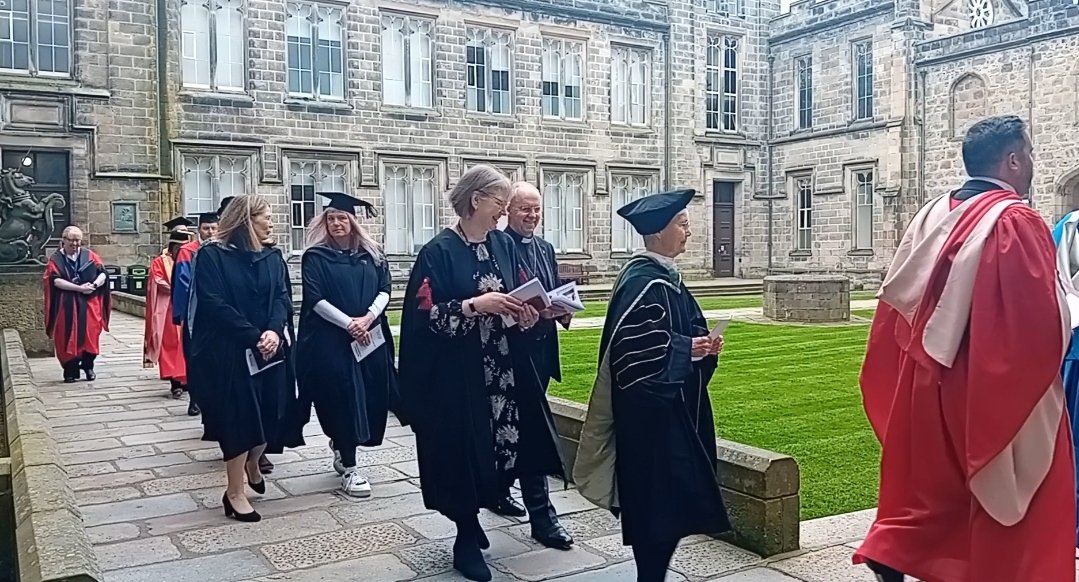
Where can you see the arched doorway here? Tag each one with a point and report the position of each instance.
(1067, 194)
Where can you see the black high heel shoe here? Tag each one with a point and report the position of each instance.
(244, 517)
(259, 487)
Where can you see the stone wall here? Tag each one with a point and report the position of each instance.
(759, 487)
(807, 298)
(50, 538)
(22, 307)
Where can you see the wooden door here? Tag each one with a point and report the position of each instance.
(723, 228)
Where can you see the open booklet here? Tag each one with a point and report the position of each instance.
(256, 363)
(718, 330)
(564, 300)
(377, 339)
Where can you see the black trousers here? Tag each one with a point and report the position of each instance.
(653, 560)
(537, 498)
(85, 362)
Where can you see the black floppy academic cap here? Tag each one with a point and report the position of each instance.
(224, 204)
(208, 218)
(651, 214)
(345, 203)
(177, 222)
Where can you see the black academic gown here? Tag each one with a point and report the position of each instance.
(538, 259)
(664, 433)
(443, 389)
(289, 433)
(352, 398)
(239, 295)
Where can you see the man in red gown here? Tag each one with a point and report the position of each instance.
(77, 305)
(961, 385)
(162, 345)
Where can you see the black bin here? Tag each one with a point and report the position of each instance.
(113, 272)
(136, 280)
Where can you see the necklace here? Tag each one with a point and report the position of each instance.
(464, 236)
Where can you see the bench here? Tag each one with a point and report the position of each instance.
(572, 272)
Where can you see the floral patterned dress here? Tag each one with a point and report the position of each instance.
(497, 361)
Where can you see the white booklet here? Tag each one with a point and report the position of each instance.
(717, 331)
(377, 339)
(256, 364)
(563, 300)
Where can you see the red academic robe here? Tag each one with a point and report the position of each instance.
(74, 321)
(961, 385)
(162, 338)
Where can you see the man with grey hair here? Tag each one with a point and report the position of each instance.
(77, 305)
(538, 260)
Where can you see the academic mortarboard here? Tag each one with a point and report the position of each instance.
(208, 218)
(180, 236)
(224, 204)
(651, 214)
(345, 203)
(178, 221)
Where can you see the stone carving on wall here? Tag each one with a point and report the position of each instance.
(26, 222)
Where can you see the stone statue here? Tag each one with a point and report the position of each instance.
(26, 223)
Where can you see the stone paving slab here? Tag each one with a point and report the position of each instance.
(149, 489)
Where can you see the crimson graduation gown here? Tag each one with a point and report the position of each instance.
(74, 321)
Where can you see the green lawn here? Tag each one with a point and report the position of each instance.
(865, 313)
(791, 389)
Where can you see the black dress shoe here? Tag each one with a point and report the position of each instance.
(70, 380)
(259, 487)
(265, 466)
(509, 507)
(554, 536)
(244, 517)
(90, 376)
(885, 573)
(467, 558)
(193, 409)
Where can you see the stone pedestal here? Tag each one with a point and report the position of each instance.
(22, 306)
(807, 298)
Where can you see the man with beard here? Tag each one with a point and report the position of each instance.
(538, 260)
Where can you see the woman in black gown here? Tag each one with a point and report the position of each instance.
(241, 307)
(470, 387)
(346, 288)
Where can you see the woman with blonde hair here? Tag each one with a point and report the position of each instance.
(346, 288)
(474, 397)
(240, 306)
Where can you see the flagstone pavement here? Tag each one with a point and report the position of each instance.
(150, 493)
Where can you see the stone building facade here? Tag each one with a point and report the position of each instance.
(811, 131)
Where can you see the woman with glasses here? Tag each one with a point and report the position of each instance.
(241, 307)
(472, 392)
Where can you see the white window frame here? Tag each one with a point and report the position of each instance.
(863, 181)
(864, 104)
(214, 11)
(422, 74)
(727, 7)
(802, 198)
(33, 20)
(217, 164)
(625, 187)
(311, 15)
(631, 84)
(490, 42)
(803, 92)
(326, 174)
(416, 234)
(722, 83)
(553, 182)
(565, 55)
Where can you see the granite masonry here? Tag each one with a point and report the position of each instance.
(812, 131)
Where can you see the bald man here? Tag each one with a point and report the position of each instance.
(538, 258)
(77, 305)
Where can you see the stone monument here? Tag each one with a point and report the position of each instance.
(807, 298)
(26, 225)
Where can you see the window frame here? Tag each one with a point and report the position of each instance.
(803, 92)
(858, 100)
(213, 49)
(586, 188)
(383, 18)
(718, 44)
(562, 52)
(723, 7)
(644, 56)
(856, 186)
(652, 180)
(215, 156)
(318, 159)
(487, 37)
(802, 185)
(33, 46)
(438, 170)
(313, 8)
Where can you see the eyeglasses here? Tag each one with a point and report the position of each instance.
(77, 241)
(487, 195)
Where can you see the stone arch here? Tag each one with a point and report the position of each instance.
(968, 101)
(1067, 190)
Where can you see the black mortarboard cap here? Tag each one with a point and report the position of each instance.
(652, 213)
(345, 203)
(224, 204)
(180, 236)
(208, 218)
(178, 221)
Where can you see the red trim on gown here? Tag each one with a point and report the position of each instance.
(163, 339)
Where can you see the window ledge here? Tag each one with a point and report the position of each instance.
(573, 256)
(26, 82)
(573, 124)
(860, 253)
(424, 112)
(216, 96)
(631, 130)
(801, 254)
(400, 258)
(314, 104)
(623, 254)
(492, 118)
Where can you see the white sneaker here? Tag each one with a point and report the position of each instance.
(355, 485)
(337, 464)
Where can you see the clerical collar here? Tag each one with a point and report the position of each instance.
(518, 237)
(663, 260)
(1001, 183)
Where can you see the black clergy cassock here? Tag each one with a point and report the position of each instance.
(538, 260)
(239, 295)
(352, 398)
(443, 387)
(652, 400)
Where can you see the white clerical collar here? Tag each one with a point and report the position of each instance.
(663, 260)
(1000, 183)
(72, 256)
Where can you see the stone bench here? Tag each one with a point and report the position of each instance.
(807, 298)
(760, 488)
(51, 541)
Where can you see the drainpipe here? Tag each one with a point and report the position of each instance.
(770, 153)
(921, 138)
(667, 110)
(164, 148)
